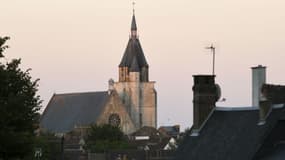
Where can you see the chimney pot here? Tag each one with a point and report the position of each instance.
(258, 79)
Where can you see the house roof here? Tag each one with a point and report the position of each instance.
(273, 147)
(66, 111)
(228, 134)
(275, 93)
(146, 131)
(277, 153)
(170, 130)
(156, 141)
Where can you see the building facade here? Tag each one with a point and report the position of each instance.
(134, 88)
(129, 103)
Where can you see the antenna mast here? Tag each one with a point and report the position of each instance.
(213, 49)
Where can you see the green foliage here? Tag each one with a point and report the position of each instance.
(18, 108)
(49, 144)
(2, 45)
(106, 137)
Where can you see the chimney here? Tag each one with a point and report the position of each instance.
(204, 100)
(265, 107)
(258, 79)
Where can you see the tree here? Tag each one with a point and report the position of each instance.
(19, 106)
(105, 137)
(49, 144)
(2, 45)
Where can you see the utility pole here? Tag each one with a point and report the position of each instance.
(213, 49)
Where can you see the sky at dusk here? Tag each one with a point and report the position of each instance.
(76, 45)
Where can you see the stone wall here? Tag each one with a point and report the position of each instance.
(139, 99)
(115, 106)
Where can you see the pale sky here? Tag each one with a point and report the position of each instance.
(76, 45)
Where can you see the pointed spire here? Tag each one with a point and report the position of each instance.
(134, 24)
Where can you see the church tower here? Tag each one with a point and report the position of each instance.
(134, 88)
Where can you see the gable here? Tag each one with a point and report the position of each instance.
(115, 106)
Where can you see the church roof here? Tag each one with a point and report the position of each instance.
(135, 66)
(134, 24)
(66, 111)
(133, 50)
(229, 134)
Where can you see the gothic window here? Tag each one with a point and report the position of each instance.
(114, 120)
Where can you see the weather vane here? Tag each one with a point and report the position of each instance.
(213, 49)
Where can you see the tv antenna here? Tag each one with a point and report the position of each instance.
(213, 49)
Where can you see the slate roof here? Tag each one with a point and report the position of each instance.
(273, 147)
(275, 93)
(172, 131)
(133, 50)
(134, 24)
(135, 66)
(228, 135)
(156, 141)
(65, 111)
(146, 131)
(278, 153)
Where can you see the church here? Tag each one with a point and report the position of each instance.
(130, 103)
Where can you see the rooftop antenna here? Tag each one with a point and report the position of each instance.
(213, 49)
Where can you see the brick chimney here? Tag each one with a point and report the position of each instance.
(204, 100)
(258, 79)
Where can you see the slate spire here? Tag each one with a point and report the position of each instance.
(135, 66)
(134, 24)
(133, 58)
(134, 27)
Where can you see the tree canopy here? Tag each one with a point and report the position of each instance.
(106, 137)
(19, 106)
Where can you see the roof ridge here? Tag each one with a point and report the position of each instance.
(76, 93)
